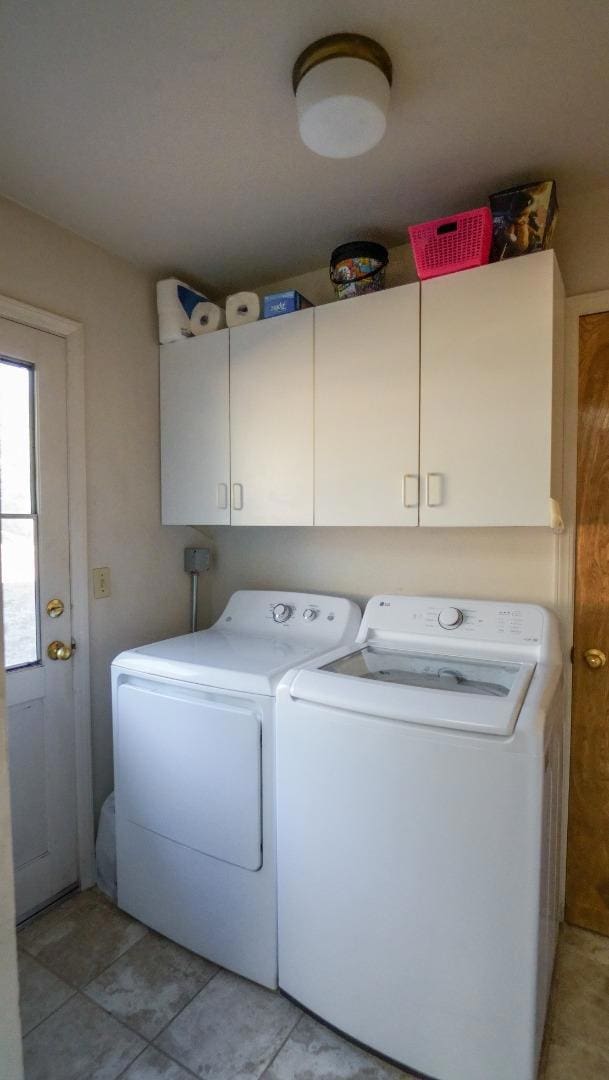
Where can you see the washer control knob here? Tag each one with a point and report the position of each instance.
(450, 618)
(309, 614)
(281, 612)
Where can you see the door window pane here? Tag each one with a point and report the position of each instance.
(18, 514)
(16, 438)
(19, 591)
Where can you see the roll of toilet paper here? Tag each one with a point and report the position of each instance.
(242, 307)
(206, 317)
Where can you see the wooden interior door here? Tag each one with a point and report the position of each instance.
(588, 839)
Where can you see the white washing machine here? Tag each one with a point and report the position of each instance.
(419, 794)
(194, 751)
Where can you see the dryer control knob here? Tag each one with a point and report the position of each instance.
(450, 618)
(281, 612)
(310, 614)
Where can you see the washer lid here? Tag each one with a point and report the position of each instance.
(453, 674)
(479, 695)
(249, 663)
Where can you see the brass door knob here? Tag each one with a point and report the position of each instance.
(57, 650)
(595, 658)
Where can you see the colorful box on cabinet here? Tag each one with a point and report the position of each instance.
(282, 303)
(524, 219)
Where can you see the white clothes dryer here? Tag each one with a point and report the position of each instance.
(419, 796)
(194, 751)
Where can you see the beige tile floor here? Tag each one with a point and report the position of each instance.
(103, 997)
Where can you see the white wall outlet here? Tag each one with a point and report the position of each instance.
(101, 582)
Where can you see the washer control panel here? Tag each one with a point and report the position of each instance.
(450, 617)
(482, 620)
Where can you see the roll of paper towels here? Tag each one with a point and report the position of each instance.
(176, 302)
(242, 307)
(206, 317)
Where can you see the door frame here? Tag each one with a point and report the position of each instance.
(565, 569)
(73, 335)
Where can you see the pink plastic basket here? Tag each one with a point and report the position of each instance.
(452, 243)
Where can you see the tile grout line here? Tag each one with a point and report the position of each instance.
(280, 1048)
(77, 986)
(130, 1063)
(57, 905)
(180, 1011)
(119, 957)
(151, 1046)
(150, 1042)
(81, 990)
(52, 1013)
(89, 1001)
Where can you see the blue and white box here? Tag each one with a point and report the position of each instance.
(282, 303)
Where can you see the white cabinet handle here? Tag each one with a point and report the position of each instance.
(222, 496)
(410, 489)
(434, 489)
(237, 496)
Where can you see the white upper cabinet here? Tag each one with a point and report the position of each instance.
(195, 447)
(367, 409)
(346, 415)
(491, 386)
(271, 421)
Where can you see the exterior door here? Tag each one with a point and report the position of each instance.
(587, 901)
(37, 620)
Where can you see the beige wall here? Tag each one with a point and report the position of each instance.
(51, 268)
(489, 563)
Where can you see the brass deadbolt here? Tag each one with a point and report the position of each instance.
(55, 608)
(595, 658)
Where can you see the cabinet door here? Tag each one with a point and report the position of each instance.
(271, 406)
(367, 409)
(487, 357)
(195, 464)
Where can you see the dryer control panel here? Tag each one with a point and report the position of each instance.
(327, 620)
(482, 620)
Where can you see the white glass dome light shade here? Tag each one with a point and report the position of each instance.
(342, 107)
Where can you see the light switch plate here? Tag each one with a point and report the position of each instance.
(101, 582)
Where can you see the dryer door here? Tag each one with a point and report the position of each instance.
(189, 768)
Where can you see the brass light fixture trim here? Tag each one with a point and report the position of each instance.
(336, 46)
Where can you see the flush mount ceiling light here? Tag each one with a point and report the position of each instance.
(342, 86)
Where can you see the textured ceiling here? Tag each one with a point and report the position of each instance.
(165, 130)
